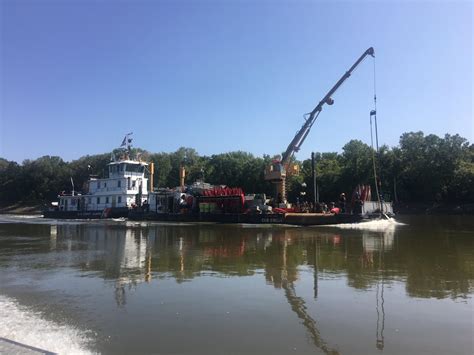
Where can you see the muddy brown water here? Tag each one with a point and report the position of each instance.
(120, 287)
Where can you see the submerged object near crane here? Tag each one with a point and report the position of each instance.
(279, 168)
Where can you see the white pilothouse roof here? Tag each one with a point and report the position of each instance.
(128, 161)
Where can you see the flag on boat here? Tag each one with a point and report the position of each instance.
(126, 140)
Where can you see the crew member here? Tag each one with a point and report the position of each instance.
(342, 202)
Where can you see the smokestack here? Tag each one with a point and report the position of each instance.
(182, 175)
(152, 174)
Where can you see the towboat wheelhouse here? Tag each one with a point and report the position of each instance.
(125, 187)
(126, 180)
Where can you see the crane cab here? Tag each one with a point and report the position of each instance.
(275, 172)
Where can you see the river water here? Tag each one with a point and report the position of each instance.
(121, 287)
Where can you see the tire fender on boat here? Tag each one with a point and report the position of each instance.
(106, 212)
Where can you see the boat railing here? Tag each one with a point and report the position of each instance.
(114, 189)
(69, 195)
(106, 189)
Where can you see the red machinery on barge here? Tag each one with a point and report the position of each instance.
(202, 202)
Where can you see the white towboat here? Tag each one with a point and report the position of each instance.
(111, 197)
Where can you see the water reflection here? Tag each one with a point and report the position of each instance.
(428, 265)
(298, 304)
(139, 254)
(368, 259)
(433, 265)
(380, 307)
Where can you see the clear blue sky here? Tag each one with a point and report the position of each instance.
(220, 76)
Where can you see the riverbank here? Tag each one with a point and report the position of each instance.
(22, 208)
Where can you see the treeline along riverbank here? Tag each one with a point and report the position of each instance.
(424, 173)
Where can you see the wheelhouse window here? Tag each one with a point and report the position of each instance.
(135, 168)
(113, 169)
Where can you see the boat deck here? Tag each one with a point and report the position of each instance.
(300, 219)
(8, 346)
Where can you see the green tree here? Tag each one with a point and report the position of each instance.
(236, 169)
(89, 165)
(357, 167)
(10, 189)
(42, 178)
(162, 168)
(421, 169)
(429, 164)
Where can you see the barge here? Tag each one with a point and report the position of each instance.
(202, 202)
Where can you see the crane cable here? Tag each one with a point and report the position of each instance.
(374, 113)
